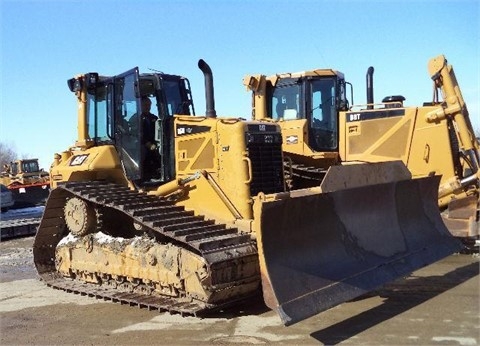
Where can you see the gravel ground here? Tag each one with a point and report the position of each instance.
(437, 305)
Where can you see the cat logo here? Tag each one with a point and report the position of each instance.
(78, 160)
(292, 140)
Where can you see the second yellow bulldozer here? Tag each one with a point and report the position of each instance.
(189, 214)
(320, 128)
(29, 183)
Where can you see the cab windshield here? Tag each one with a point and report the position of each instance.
(177, 97)
(97, 110)
(284, 100)
(30, 167)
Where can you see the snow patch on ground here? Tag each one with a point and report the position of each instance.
(16, 256)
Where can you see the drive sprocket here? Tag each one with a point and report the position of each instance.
(80, 218)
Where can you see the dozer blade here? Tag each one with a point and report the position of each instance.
(318, 250)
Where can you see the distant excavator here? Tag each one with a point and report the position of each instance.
(321, 129)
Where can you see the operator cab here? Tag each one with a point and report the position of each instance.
(114, 116)
(316, 98)
(146, 150)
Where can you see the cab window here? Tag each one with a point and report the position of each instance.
(284, 101)
(97, 114)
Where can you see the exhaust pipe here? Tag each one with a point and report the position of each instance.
(209, 93)
(370, 100)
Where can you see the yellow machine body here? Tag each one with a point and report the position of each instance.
(433, 139)
(24, 172)
(213, 169)
(29, 183)
(213, 224)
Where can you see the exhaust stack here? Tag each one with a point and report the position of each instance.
(209, 92)
(370, 87)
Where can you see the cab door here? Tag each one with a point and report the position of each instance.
(127, 123)
(323, 115)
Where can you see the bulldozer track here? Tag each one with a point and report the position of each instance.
(18, 228)
(300, 176)
(220, 246)
(308, 172)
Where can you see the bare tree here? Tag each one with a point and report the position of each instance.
(7, 154)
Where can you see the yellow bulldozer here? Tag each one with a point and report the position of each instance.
(320, 128)
(189, 214)
(29, 183)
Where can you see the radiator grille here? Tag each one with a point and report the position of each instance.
(265, 153)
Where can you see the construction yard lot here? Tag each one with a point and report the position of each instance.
(437, 305)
